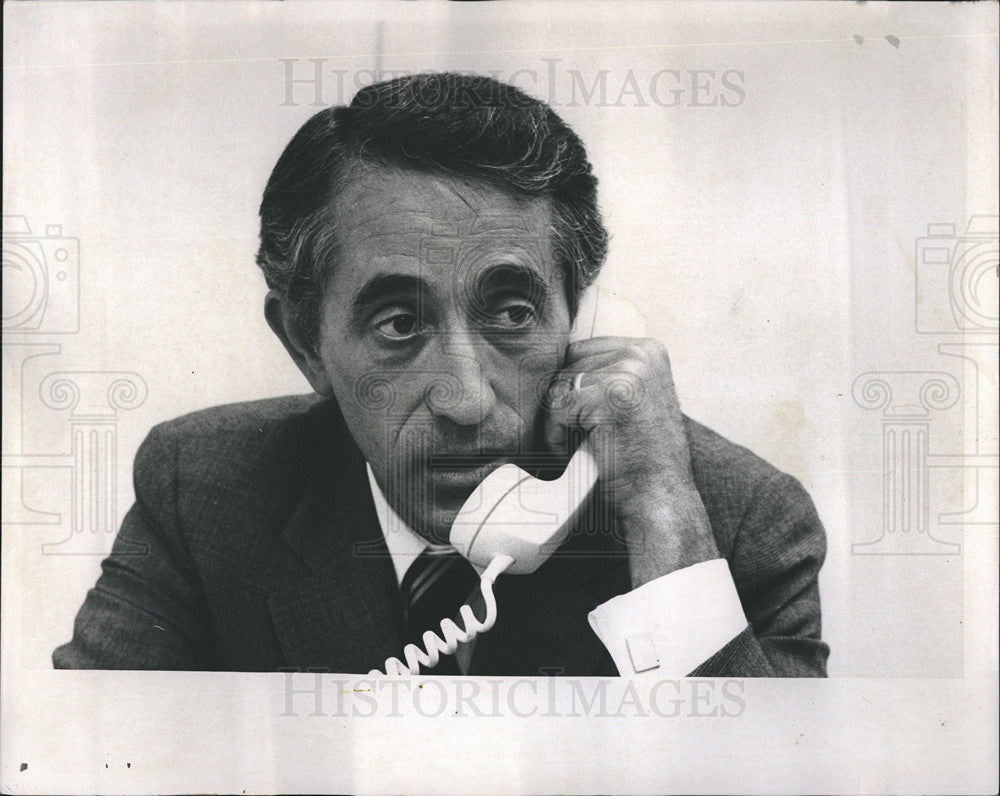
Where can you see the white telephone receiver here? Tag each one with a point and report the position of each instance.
(513, 521)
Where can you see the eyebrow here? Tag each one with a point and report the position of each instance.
(492, 279)
(379, 287)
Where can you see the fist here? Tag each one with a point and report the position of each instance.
(621, 391)
(624, 397)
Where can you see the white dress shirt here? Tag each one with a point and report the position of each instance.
(664, 628)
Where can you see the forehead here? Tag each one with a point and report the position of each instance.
(392, 220)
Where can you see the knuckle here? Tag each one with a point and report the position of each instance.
(636, 349)
(655, 349)
(624, 392)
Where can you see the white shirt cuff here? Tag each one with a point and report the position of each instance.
(671, 625)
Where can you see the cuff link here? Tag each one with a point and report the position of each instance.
(642, 652)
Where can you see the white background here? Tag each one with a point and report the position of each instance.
(770, 245)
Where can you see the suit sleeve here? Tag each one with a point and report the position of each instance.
(147, 610)
(775, 561)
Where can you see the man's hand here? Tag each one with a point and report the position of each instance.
(627, 402)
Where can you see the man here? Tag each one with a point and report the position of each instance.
(426, 249)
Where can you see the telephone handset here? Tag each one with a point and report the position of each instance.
(513, 522)
(513, 514)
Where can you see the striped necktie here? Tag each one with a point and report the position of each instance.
(435, 586)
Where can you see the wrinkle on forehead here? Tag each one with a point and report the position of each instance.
(378, 196)
(453, 186)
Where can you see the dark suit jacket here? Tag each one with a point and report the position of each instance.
(254, 545)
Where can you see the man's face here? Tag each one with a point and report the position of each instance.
(443, 322)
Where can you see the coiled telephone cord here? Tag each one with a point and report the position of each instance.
(435, 645)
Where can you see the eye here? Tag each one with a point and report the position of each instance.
(514, 313)
(397, 325)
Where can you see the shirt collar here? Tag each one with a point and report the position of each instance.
(405, 545)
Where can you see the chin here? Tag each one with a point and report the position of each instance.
(437, 528)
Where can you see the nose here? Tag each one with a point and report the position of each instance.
(463, 393)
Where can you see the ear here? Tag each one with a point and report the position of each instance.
(281, 318)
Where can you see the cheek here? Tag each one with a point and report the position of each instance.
(361, 394)
(377, 403)
(532, 376)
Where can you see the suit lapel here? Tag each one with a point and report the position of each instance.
(341, 611)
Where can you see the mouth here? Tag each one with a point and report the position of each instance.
(455, 476)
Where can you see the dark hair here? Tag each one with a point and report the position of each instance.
(469, 127)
